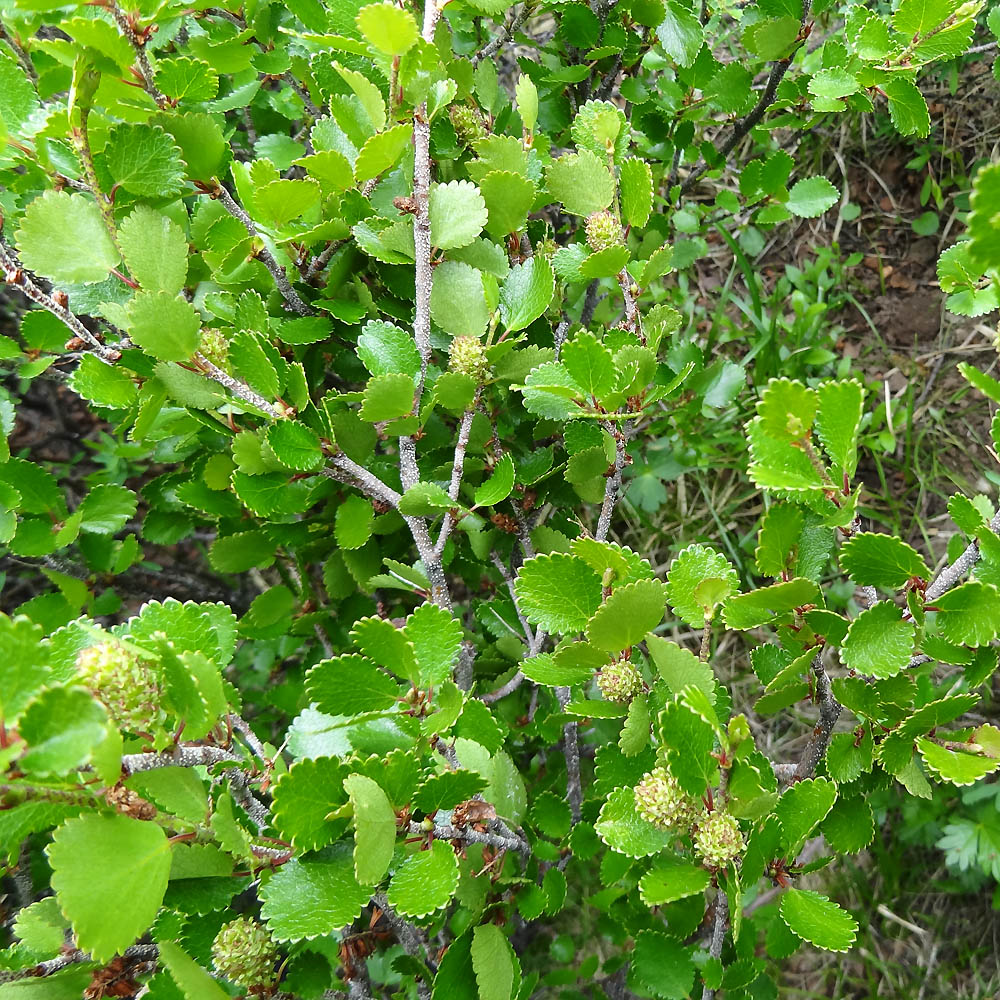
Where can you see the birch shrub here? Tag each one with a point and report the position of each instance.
(376, 307)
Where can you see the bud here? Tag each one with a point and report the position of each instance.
(214, 347)
(125, 684)
(718, 839)
(620, 681)
(468, 123)
(603, 231)
(244, 954)
(468, 356)
(660, 800)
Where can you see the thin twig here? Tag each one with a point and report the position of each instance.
(950, 575)
(778, 70)
(237, 388)
(719, 924)
(571, 751)
(267, 258)
(180, 756)
(457, 468)
(346, 470)
(612, 488)
(829, 713)
(138, 44)
(497, 841)
(138, 952)
(22, 57)
(510, 27)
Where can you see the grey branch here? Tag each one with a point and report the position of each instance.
(498, 841)
(267, 258)
(20, 279)
(829, 713)
(346, 470)
(140, 952)
(237, 388)
(612, 488)
(180, 756)
(412, 940)
(457, 469)
(950, 575)
(719, 924)
(511, 26)
(571, 750)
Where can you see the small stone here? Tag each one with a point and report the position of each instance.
(718, 839)
(660, 800)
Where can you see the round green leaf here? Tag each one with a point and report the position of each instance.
(63, 238)
(457, 213)
(558, 592)
(144, 160)
(818, 920)
(621, 827)
(295, 446)
(109, 874)
(663, 965)
(389, 28)
(425, 881)
(689, 571)
(811, 197)
(878, 642)
(165, 326)
(627, 615)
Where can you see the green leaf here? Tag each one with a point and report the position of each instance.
(818, 920)
(509, 198)
(493, 963)
(691, 734)
(446, 790)
(838, 419)
(165, 326)
(385, 349)
(387, 397)
(985, 209)
(109, 874)
(350, 684)
(203, 147)
(155, 250)
(954, 766)
(281, 201)
(916, 17)
(581, 182)
(778, 538)
(699, 579)
(367, 93)
(22, 671)
(187, 79)
(850, 825)
(389, 28)
(680, 34)
(387, 645)
(879, 642)
(327, 881)
(106, 509)
(526, 94)
(423, 499)
(458, 300)
(425, 881)
(192, 980)
(969, 615)
(573, 664)
(374, 829)
(18, 100)
(499, 486)
(63, 728)
(672, 878)
(590, 364)
(304, 797)
(627, 615)
(768, 604)
(295, 446)
(62, 237)
(621, 827)
(558, 592)
(907, 107)
(381, 152)
(680, 668)
(457, 213)
(353, 522)
(102, 384)
(635, 187)
(663, 965)
(874, 560)
(526, 292)
(832, 83)
(811, 197)
(801, 809)
(144, 160)
(436, 636)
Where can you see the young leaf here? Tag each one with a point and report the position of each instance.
(838, 419)
(874, 560)
(498, 487)
(698, 580)
(581, 182)
(672, 878)
(436, 636)
(458, 300)
(526, 292)
(590, 364)
(627, 615)
(621, 827)
(155, 250)
(801, 809)
(165, 326)
(811, 197)
(878, 641)
(389, 28)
